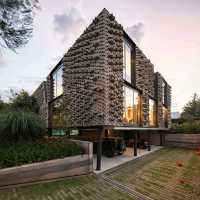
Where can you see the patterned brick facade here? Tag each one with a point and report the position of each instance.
(41, 96)
(93, 78)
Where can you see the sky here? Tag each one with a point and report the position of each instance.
(168, 32)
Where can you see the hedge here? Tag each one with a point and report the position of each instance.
(37, 151)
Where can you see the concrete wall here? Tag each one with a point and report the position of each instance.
(182, 140)
(53, 169)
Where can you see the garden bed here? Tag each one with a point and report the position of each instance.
(37, 151)
(65, 159)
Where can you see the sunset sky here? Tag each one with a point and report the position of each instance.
(168, 32)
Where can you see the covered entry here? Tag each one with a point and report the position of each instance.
(122, 143)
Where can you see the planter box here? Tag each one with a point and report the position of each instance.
(53, 169)
(182, 140)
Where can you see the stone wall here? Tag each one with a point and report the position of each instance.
(41, 96)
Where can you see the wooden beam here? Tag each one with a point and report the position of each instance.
(135, 144)
(100, 133)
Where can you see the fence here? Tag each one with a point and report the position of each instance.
(182, 140)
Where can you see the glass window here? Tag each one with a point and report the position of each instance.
(131, 106)
(127, 62)
(58, 121)
(58, 81)
(152, 112)
(165, 116)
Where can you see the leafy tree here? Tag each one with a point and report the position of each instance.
(192, 109)
(23, 101)
(16, 22)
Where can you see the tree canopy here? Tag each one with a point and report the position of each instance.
(16, 22)
(192, 109)
(23, 101)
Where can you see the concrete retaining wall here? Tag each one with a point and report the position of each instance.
(53, 169)
(182, 140)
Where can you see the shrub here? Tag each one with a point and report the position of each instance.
(20, 125)
(36, 151)
(186, 127)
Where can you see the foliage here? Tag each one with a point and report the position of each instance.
(3, 105)
(16, 22)
(20, 125)
(23, 101)
(192, 109)
(37, 151)
(186, 127)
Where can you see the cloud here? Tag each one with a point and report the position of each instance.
(136, 32)
(69, 24)
(2, 62)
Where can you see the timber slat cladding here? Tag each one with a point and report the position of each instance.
(77, 165)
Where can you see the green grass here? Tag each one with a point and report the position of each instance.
(158, 176)
(84, 188)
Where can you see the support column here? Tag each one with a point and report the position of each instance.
(100, 133)
(135, 144)
(149, 141)
(161, 139)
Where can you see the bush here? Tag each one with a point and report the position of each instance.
(20, 125)
(186, 127)
(37, 151)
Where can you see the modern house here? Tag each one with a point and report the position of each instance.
(105, 86)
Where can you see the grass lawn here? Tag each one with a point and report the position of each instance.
(84, 188)
(168, 174)
(161, 176)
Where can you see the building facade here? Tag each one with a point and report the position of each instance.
(104, 80)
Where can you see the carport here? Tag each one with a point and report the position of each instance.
(135, 131)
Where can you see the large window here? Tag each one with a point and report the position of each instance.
(57, 81)
(152, 112)
(58, 121)
(165, 116)
(127, 62)
(131, 106)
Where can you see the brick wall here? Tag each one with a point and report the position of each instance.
(92, 79)
(41, 96)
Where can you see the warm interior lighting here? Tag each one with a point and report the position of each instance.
(131, 106)
(152, 112)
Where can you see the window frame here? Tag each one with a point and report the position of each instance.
(54, 82)
(128, 44)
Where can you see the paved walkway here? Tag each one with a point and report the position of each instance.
(108, 163)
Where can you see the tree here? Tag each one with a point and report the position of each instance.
(23, 101)
(16, 22)
(192, 109)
